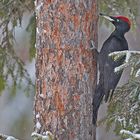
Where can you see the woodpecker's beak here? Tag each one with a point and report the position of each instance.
(107, 17)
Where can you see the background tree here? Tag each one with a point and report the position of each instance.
(15, 82)
(11, 66)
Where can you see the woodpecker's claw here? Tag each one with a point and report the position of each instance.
(92, 46)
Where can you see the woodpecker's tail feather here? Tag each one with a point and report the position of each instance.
(97, 99)
(109, 95)
(112, 91)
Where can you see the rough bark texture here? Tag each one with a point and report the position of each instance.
(65, 68)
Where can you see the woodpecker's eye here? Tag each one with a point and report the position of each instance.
(118, 20)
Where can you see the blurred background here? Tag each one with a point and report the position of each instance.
(17, 67)
(17, 62)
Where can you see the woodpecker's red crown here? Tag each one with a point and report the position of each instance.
(125, 19)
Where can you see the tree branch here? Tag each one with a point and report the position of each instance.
(136, 136)
(5, 137)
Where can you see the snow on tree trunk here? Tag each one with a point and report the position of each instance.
(65, 68)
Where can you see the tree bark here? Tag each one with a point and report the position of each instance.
(65, 68)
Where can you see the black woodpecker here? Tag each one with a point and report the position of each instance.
(108, 79)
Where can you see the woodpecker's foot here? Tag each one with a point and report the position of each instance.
(92, 46)
(94, 49)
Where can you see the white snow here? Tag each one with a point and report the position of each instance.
(37, 115)
(35, 3)
(136, 136)
(38, 8)
(122, 120)
(119, 68)
(120, 53)
(37, 30)
(137, 73)
(129, 139)
(11, 138)
(44, 31)
(48, 133)
(38, 125)
(42, 96)
(48, 136)
(128, 55)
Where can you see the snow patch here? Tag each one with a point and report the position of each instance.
(136, 136)
(37, 116)
(137, 73)
(42, 96)
(38, 8)
(38, 125)
(37, 30)
(128, 55)
(11, 138)
(48, 136)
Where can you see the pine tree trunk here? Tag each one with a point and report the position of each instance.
(65, 68)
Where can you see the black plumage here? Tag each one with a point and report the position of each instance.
(108, 79)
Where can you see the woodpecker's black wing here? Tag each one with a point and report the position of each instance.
(107, 64)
